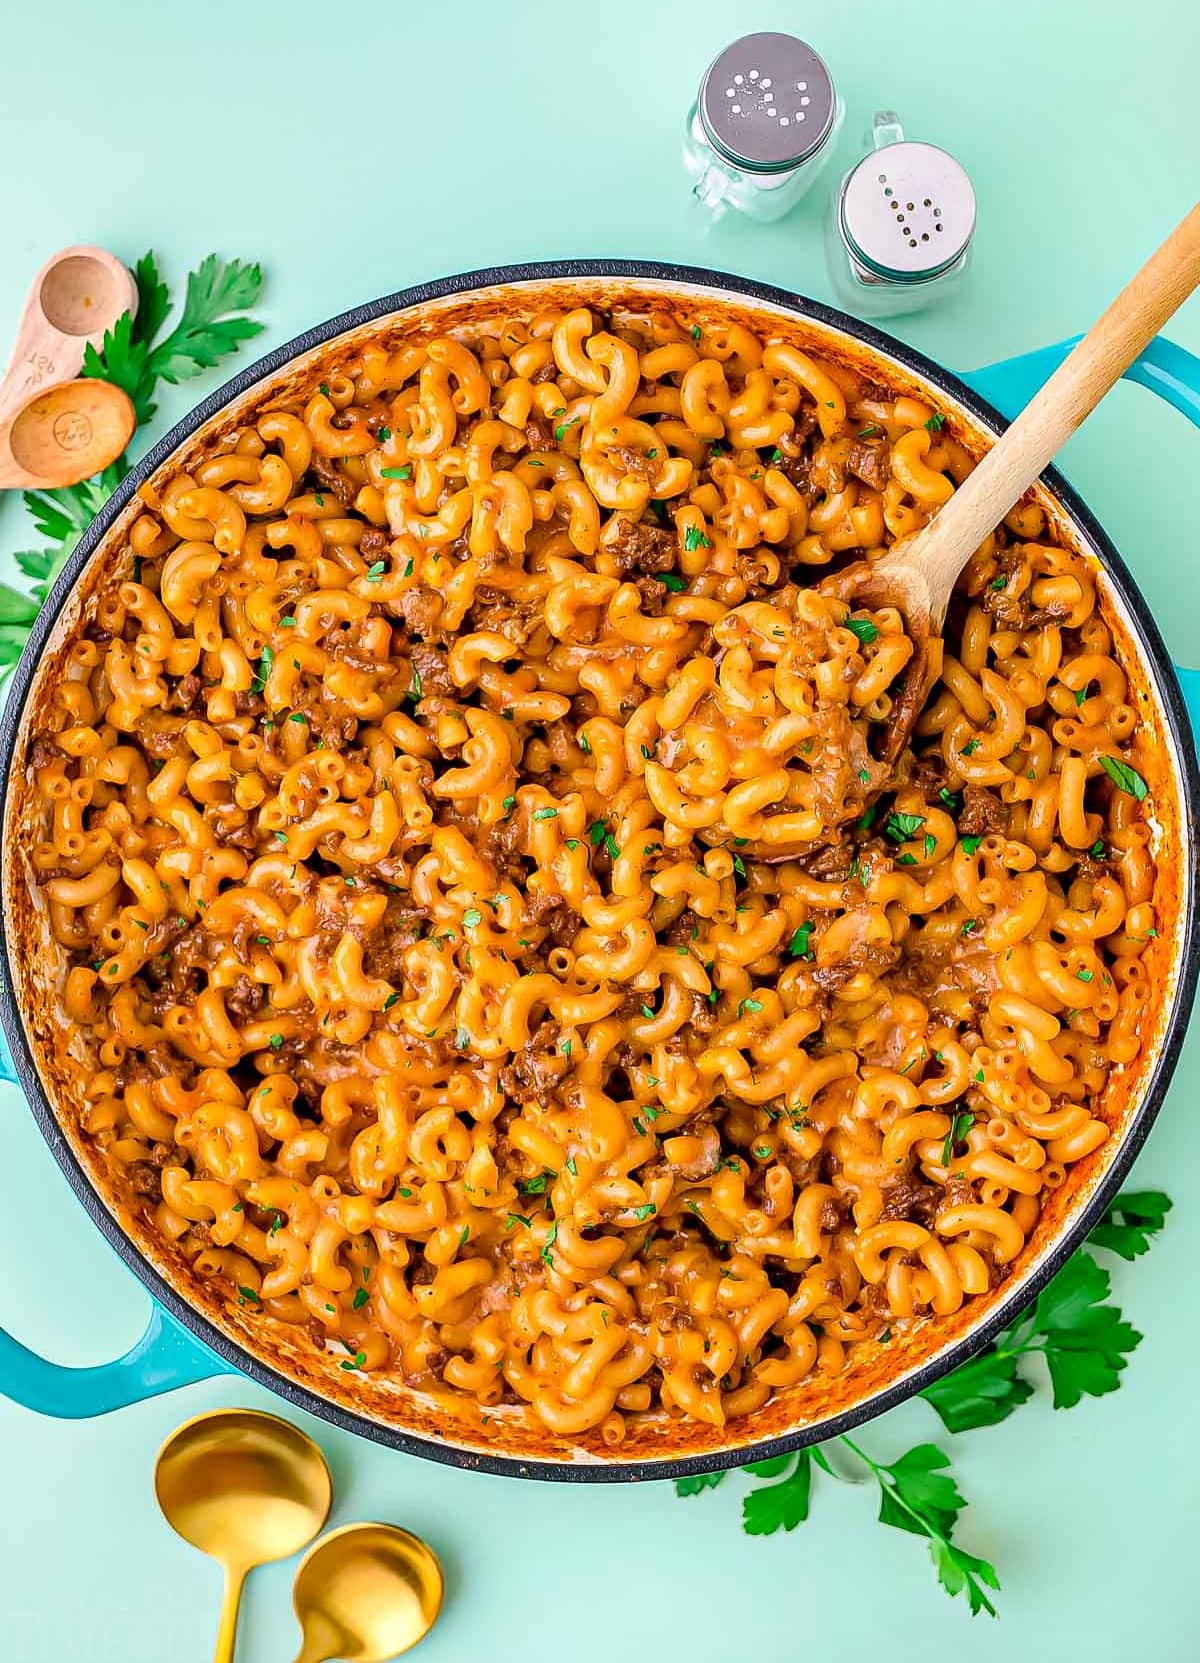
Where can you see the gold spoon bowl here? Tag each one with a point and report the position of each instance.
(245, 1488)
(366, 1593)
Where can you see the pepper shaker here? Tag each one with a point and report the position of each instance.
(762, 127)
(898, 234)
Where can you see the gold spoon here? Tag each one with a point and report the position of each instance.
(245, 1488)
(366, 1593)
(918, 578)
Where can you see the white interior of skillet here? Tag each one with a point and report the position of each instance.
(455, 1425)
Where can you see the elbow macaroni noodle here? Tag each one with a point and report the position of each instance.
(432, 827)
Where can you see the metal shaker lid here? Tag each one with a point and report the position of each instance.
(907, 212)
(767, 103)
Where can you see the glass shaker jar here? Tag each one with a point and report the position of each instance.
(762, 127)
(898, 234)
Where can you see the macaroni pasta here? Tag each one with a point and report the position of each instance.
(432, 828)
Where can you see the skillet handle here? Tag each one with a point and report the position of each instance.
(1169, 370)
(166, 1356)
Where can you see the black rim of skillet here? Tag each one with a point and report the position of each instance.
(1141, 1118)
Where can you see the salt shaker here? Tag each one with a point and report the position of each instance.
(898, 234)
(762, 127)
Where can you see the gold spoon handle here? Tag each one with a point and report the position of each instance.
(235, 1577)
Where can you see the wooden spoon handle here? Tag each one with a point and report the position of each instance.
(1168, 277)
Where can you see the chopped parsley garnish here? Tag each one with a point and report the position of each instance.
(694, 538)
(900, 827)
(276, 1042)
(563, 428)
(471, 917)
(261, 674)
(397, 473)
(1125, 778)
(545, 814)
(961, 1126)
(644, 1212)
(535, 1186)
(863, 628)
(971, 843)
(674, 582)
(798, 947)
(871, 431)
(935, 423)
(375, 572)
(360, 1298)
(695, 332)
(751, 1005)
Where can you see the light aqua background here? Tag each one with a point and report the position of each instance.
(358, 148)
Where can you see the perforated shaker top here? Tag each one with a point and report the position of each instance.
(907, 211)
(767, 102)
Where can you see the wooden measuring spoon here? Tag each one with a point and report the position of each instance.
(917, 578)
(56, 429)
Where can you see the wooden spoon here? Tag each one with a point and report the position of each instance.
(56, 429)
(918, 576)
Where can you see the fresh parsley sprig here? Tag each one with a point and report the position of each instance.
(916, 1493)
(1085, 1343)
(135, 355)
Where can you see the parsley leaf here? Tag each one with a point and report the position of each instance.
(983, 1392)
(900, 827)
(1125, 778)
(698, 1483)
(863, 628)
(211, 326)
(784, 1504)
(694, 538)
(1129, 1223)
(798, 947)
(960, 1127)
